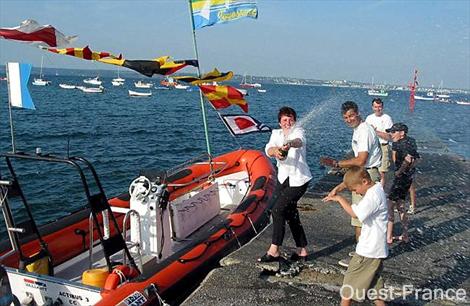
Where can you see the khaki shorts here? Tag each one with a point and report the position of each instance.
(356, 198)
(363, 274)
(385, 166)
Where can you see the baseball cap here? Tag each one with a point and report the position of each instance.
(397, 127)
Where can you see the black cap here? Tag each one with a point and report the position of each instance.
(397, 127)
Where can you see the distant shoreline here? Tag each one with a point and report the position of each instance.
(238, 78)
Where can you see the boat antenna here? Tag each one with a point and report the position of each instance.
(203, 110)
(196, 54)
(68, 146)
(412, 91)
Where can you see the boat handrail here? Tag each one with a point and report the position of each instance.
(131, 244)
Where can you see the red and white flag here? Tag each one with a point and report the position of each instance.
(243, 124)
(32, 32)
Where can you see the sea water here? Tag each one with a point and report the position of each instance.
(122, 135)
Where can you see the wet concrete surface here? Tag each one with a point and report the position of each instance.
(437, 257)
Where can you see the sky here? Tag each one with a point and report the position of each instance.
(360, 41)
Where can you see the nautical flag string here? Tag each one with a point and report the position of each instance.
(243, 124)
(213, 76)
(83, 53)
(210, 12)
(161, 65)
(32, 32)
(221, 96)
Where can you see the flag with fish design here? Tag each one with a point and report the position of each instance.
(222, 96)
(243, 124)
(161, 65)
(42, 35)
(83, 53)
(209, 12)
(213, 76)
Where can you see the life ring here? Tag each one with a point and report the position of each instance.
(120, 275)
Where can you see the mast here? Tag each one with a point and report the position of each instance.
(206, 132)
(42, 62)
(412, 91)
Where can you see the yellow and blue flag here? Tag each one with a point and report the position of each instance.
(210, 12)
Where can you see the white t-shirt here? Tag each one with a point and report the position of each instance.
(295, 166)
(380, 123)
(365, 140)
(373, 213)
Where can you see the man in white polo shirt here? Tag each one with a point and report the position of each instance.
(380, 122)
(367, 154)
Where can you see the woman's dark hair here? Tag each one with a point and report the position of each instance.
(349, 105)
(286, 111)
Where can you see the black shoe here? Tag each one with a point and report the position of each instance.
(296, 257)
(268, 258)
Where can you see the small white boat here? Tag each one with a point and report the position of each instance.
(41, 82)
(139, 94)
(91, 89)
(141, 84)
(116, 83)
(463, 102)
(377, 93)
(162, 88)
(179, 86)
(66, 86)
(262, 90)
(243, 91)
(93, 81)
(423, 98)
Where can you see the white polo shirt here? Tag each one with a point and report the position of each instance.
(380, 123)
(366, 140)
(295, 165)
(372, 211)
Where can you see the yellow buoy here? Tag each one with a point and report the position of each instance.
(95, 277)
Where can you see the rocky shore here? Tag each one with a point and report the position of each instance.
(436, 260)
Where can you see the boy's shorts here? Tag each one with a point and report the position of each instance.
(400, 187)
(363, 274)
(356, 198)
(385, 166)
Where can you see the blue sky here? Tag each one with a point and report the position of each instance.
(341, 40)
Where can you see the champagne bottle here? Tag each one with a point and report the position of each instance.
(284, 152)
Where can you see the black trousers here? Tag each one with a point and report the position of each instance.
(285, 209)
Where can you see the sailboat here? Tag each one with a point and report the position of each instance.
(41, 81)
(118, 81)
(245, 84)
(141, 246)
(376, 92)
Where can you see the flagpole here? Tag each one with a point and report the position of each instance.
(10, 112)
(203, 110)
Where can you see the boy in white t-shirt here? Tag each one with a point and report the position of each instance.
(363, 277)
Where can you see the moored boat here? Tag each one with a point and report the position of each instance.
(67, 86)
(41, 82)
(377, 93)
(93, 81)
(91, 89)
(141, 84)
(133, 93)
(423, 98)
(164, 230)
